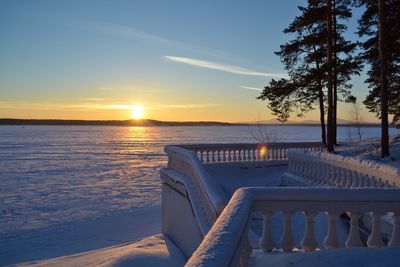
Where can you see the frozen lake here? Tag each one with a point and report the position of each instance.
(68, 189)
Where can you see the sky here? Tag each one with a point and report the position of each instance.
(178, 60)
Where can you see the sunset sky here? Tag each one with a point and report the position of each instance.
(179, 60)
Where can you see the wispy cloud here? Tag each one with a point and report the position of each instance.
(251, 88)
(223, 67)
(105, 88)
(137, 34)
(132, 33)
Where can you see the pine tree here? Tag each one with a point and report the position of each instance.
(382, 45)
(329, 56)
(304, 58)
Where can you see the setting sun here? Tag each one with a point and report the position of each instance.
(137, 112)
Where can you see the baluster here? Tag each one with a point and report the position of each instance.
(331, 176)
(207, 156)
(327, 174)
(375, 240)
(360, 180)
(354, 180)
(293, 165)
(309, 243)
(354, 236)
(245, 154)
(338, 177)
(343, 177)
(395, 239)
(219, 155)
(229, 155)
(201, 156)
(234, 155)
(224, 155)
(349, 178)
(266, 242)
(367, 181)
(381, 183)
(331, 238)
(287, 243)
(315, 171)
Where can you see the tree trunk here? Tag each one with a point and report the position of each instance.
(329, 63)
(384, 86)
(322, 114)
(335, 100)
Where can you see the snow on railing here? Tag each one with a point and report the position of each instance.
(226, 243)
(210, 195)
(217, 153)
(341, 171)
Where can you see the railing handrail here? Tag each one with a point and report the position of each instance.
(211, 189)
(219, 247)
(246, 145)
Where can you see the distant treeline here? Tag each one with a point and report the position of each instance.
(107, 122)
(157, 123)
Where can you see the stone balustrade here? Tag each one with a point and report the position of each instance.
(189, 159)
(219, 153)
(226, 243)
(207, 197)
(323, 169)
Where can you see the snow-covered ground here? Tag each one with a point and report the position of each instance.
(370, 149)
(154, 251)
(71, 189)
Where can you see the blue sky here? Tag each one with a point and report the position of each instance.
(179, 60)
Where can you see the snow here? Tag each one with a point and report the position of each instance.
(232, 176)
(153, 251)
(72, 189)
(369, 149)
(388, 257)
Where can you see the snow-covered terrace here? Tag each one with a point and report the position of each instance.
(201, 179)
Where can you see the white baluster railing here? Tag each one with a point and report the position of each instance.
(221, 246)
(339, 171)
(211, 153)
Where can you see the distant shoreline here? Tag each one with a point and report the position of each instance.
(150, 123)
